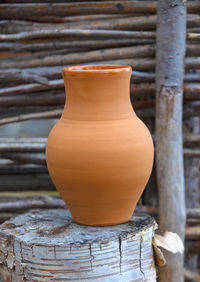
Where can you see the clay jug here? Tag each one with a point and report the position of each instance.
(99, 154)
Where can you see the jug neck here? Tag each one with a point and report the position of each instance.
(97, 92)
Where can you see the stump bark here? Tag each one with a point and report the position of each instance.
(47, 245)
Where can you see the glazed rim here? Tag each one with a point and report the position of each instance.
(97, 69)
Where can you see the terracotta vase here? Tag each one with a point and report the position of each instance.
(99, 154)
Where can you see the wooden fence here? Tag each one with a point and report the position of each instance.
(39, 38)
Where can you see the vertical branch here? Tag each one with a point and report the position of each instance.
(171, 34)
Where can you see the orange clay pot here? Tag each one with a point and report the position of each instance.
(99, 154)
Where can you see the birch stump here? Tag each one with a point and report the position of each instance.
(47, 245)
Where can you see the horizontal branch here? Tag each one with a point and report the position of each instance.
(189, 275)
(76, 33)
(192, 232)
(56, 45)
(21, 146)
(23, 140)
(80, 57)
(148, 64)
(34, 99)
(25, 158)
(25, 182)
(192, 152)
(39, 115)
(44, 202)
(26, 11)
(138, 64)
(105, 22)
(153, 211)
(193, 247)
(34, 87)
(11, 168)
(116, 22)
(20, 76)
(191, 138)
(191, 110)
(77, 56)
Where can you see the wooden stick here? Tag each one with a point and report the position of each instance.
(191, 138)
(71, 19)
(69, 56)
(20, 76)
(21, 147)
(192, 50)
(75, 33)
(23, 140)
(192, 77)
(116, 22)
(171, 23)
(26, 88)
(193, 247)
(15, 111)
(148, 64)
(193, 36)
(14, 11)
(112, 22)
(35, 99)
(26, 11)
(10, 169)
(48, 114)
(138, 76)
(25, 182)
(84, 33)
(44, 202)
(139, 64)
(192, 232)
(56, 45)
(25, 158)
(79, 58)
(192, 109)
(92, 17)
(52, 21)
(192, 153)
(191, 276)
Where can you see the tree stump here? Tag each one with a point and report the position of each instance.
(47, 245)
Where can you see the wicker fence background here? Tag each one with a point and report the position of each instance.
(38, 39)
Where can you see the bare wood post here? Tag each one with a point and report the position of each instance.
(46, 245)
(171, 34)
